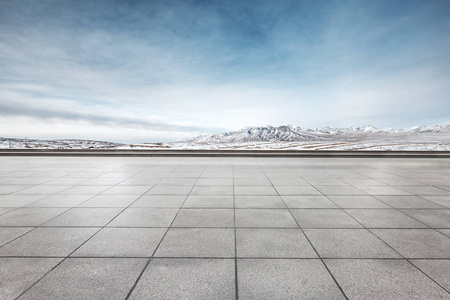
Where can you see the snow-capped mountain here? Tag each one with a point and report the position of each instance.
(289, 133)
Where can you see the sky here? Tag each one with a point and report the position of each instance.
(148, 71)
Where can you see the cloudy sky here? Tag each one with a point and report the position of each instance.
(137, 71)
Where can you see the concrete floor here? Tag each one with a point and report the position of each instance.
(224, 228)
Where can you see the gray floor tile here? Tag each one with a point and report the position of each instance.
(30, 216)
(382, 190)
(221, 190)
(215, 181)
(60, 201)
(48, 242)
(432, 217)
(309, 202)
(252, 181)
(348, 243)
(288, 181)
(383, 279)
(160, 201)
(170, 190)
(85, 190)
(18, 274)
(384, 218)
(7, 188)
(262, 279)
(254, 190)
(42, 190)
(122, 242)
(206, 279)
(339, 190)
(264, 218)
(438, 270)
(416, 243)
(96, 217)
(204, 217)
(287, 190)
(88, 278)
(259, 202)
(197, 242)
(324, 218)
(445, 231)
(127, 190)
(18, 200)
(440, 200)
(193, 201)
(273, 243)
(408, 202)
(358, 202)
(144, 217)
(424, 190)
(4, 210)
(8, 234)
(326, 181)
(110, 201)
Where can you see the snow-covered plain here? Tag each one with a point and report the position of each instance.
(425, 138)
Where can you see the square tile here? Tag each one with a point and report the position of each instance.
(435, 218)
(382, 190)
(42, 190)
(285, 190)
(259, 202)
(127, 190)
(339, 190)
(269, 279)
(197, 242)
(436, 269)
(264, 218)
(85, 190)
(273, 243)
(60, 201)
(85, 217)
(408, 202)
(358, 202)
(110, 201)
(440, 200)
(88, 278)
(209, 202)
(48, 242)
(18, 200)
(122, 242)
(212, 190)
(161, 201)
(308, 202)
(324, 218)
(416, 243)
(384, 218)
(252, 181)
(215, 181)
(170, 190)
(193, 217)
(30, 216)
(254, 190)
(348, 243)
(8, 234)
(383, 279)
(201, 279)
(424, 190)
(18, 274)
(144, 217)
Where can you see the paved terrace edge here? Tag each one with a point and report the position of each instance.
(225, 153)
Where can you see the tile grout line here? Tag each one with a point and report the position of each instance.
(130, 292)
(315, 250)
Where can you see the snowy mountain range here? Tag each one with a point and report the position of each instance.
(289, 133)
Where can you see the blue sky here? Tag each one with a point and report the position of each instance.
(136, 71)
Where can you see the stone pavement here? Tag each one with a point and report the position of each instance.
(224, 228)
